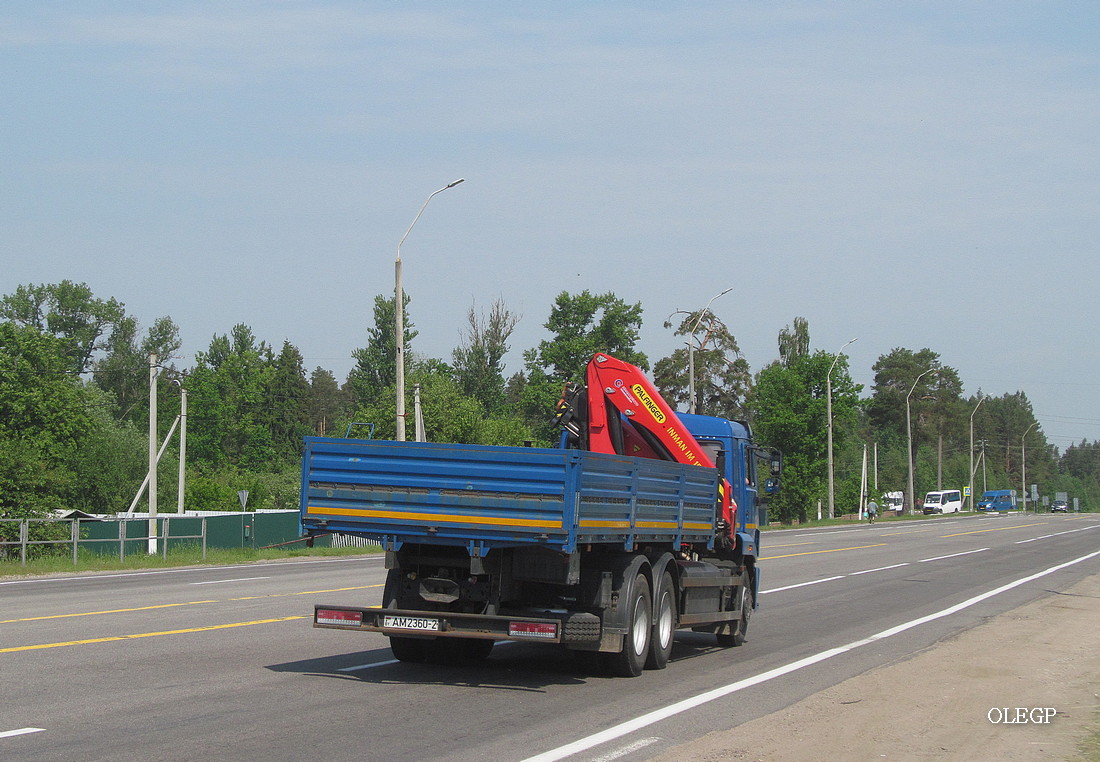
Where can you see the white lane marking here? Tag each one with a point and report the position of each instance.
(679, 707)
(1045, 536)
(20, 732)
(359, 667)
(220, 581)
(630, 748)
(881, 568)
(802, 584)
(953, 555)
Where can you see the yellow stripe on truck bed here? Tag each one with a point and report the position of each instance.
(436, 518)
(597, 524)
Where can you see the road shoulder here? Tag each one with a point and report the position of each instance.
(950, 701)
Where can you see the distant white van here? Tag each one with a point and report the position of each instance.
(893, 501)
(944, 501)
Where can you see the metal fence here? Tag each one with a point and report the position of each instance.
(157, 540)
(352, 541)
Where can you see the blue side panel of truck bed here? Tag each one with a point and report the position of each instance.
(483, 497)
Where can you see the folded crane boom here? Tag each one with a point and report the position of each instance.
(619, 411)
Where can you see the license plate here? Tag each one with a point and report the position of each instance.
(410, 623)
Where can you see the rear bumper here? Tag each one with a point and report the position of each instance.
(551, 627)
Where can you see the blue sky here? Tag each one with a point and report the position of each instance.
(918, 174)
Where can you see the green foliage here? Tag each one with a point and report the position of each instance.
(67, 311)
(794, 341)
(250, 406)
(582, 325)
(722, 378)
(479, 361)
(328, 403)
(124, 369)
(789, 405)
(111, 461)
(375, 364)
(217, 490)
(43, 421)
(32, 483)
(72, 443)
(449, 414)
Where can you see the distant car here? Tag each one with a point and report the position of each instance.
(1059, 506)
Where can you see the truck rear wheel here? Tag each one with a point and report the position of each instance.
(631, 660)
(664, 625)
(409, 650)
(454, 651)
(736, 636)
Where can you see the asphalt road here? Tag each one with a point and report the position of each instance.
(220, 663)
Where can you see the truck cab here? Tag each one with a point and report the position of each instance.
(729, 445)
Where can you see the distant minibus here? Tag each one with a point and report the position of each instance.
(943, 501)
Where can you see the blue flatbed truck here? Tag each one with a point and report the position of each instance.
(601, 553)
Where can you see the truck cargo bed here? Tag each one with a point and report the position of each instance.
(483, 497)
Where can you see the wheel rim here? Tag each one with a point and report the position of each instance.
(640, 633)
(664, 620)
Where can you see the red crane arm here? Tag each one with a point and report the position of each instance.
(649, 427)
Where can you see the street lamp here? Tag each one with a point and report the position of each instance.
(909, 435)
(970, 482)
(829, 414)
(1023, 465)
(691, 350)
(399, 316)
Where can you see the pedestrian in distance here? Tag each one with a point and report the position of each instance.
(872, 511)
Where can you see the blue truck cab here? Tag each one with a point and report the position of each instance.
(729, 444)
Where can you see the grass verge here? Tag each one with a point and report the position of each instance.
(186, 556)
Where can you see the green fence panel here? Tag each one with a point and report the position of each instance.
(136, 534)
(237, 530)
(276, 528)
(227, 531)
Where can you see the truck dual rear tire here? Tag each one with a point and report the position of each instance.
(445, 651)
(632, 659)
(739, 629)
(664, 624)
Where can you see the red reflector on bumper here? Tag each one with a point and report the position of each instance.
(335, 616)
(532, 630)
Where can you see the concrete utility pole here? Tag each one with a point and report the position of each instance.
(183, 449)
(829, 415)
(970, 483)
(399, 316)
(1023, 465)
(909, 436)
(152, 454)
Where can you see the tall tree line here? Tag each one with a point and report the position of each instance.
(74, 403)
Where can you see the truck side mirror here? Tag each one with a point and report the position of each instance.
(771, 486)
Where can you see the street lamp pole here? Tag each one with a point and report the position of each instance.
(691, 350)
(829, 414)
(909, 435)
(399, 317)
(1023, 465)
(970, 480)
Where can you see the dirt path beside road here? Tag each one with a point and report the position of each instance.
(1043, 654)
